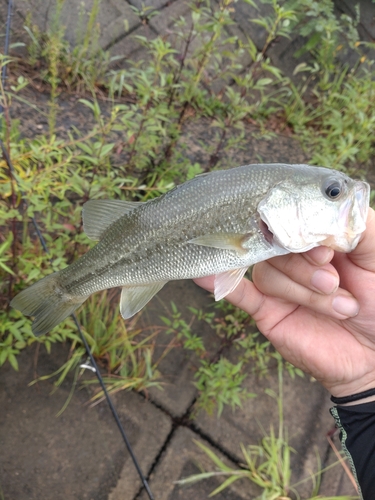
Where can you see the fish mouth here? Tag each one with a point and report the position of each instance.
(264, 229)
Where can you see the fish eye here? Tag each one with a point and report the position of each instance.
(333, 190)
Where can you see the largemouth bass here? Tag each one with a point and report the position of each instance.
(217, 223)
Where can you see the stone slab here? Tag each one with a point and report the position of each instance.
(366, 25)
(165, 18)
(182, 459)
(150, 4)
(79, 454)
(165, 23)
(153, 428)
(130, 49)
(245, 14)
(201, 137)
(178, 366)
(115, 18)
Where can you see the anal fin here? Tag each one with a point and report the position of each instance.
(134, 298)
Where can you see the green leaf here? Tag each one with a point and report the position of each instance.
(33, 274)
(85, 147)
(263, 82)
(6, 268)
(224, 485)
(309, 45)
(3, 356)
(13, 361)
(213, 457)
(106, 149)
(88, 104)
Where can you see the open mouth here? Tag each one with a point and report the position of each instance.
(268, 235)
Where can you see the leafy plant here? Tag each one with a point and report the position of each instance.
(82, 67)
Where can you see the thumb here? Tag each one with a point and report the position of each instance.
(364, 254)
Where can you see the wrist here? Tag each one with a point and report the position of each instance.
(357, 386)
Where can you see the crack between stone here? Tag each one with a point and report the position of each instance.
(112, 43)
(177, 422)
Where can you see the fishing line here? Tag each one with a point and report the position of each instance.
(45, 248)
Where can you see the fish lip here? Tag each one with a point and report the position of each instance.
(362, 195)
(360, 202)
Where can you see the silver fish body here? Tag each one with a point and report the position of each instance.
(218, 223)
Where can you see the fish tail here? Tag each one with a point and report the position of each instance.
(48, 302)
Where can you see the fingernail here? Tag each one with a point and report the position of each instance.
(324, 281)
(347, 306)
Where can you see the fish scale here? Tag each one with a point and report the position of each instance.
(217, 223)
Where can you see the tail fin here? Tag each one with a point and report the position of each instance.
(48, 302)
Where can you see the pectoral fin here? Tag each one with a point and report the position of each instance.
(227, 282)
(135, 297)
(227, 241)
(98, 215)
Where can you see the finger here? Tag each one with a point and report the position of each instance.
(274, 283)
(364, 256)
(323, 279)
(319, 255)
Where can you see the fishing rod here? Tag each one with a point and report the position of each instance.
(94, 366)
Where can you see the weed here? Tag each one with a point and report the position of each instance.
(337, 129)
(80, 68)
(218, 379)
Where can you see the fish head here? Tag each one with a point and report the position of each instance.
(316, 206)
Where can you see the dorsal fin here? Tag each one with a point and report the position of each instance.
(98, 215)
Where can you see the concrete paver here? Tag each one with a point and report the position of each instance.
(152, 429)
(79, 455)
(129, 48)
(167, 17)
(149, 4)
(244, 14)
(182, 459)
(179, 366)
(201, 138)
(115, 17)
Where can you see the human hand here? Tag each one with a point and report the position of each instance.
(325, 329)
